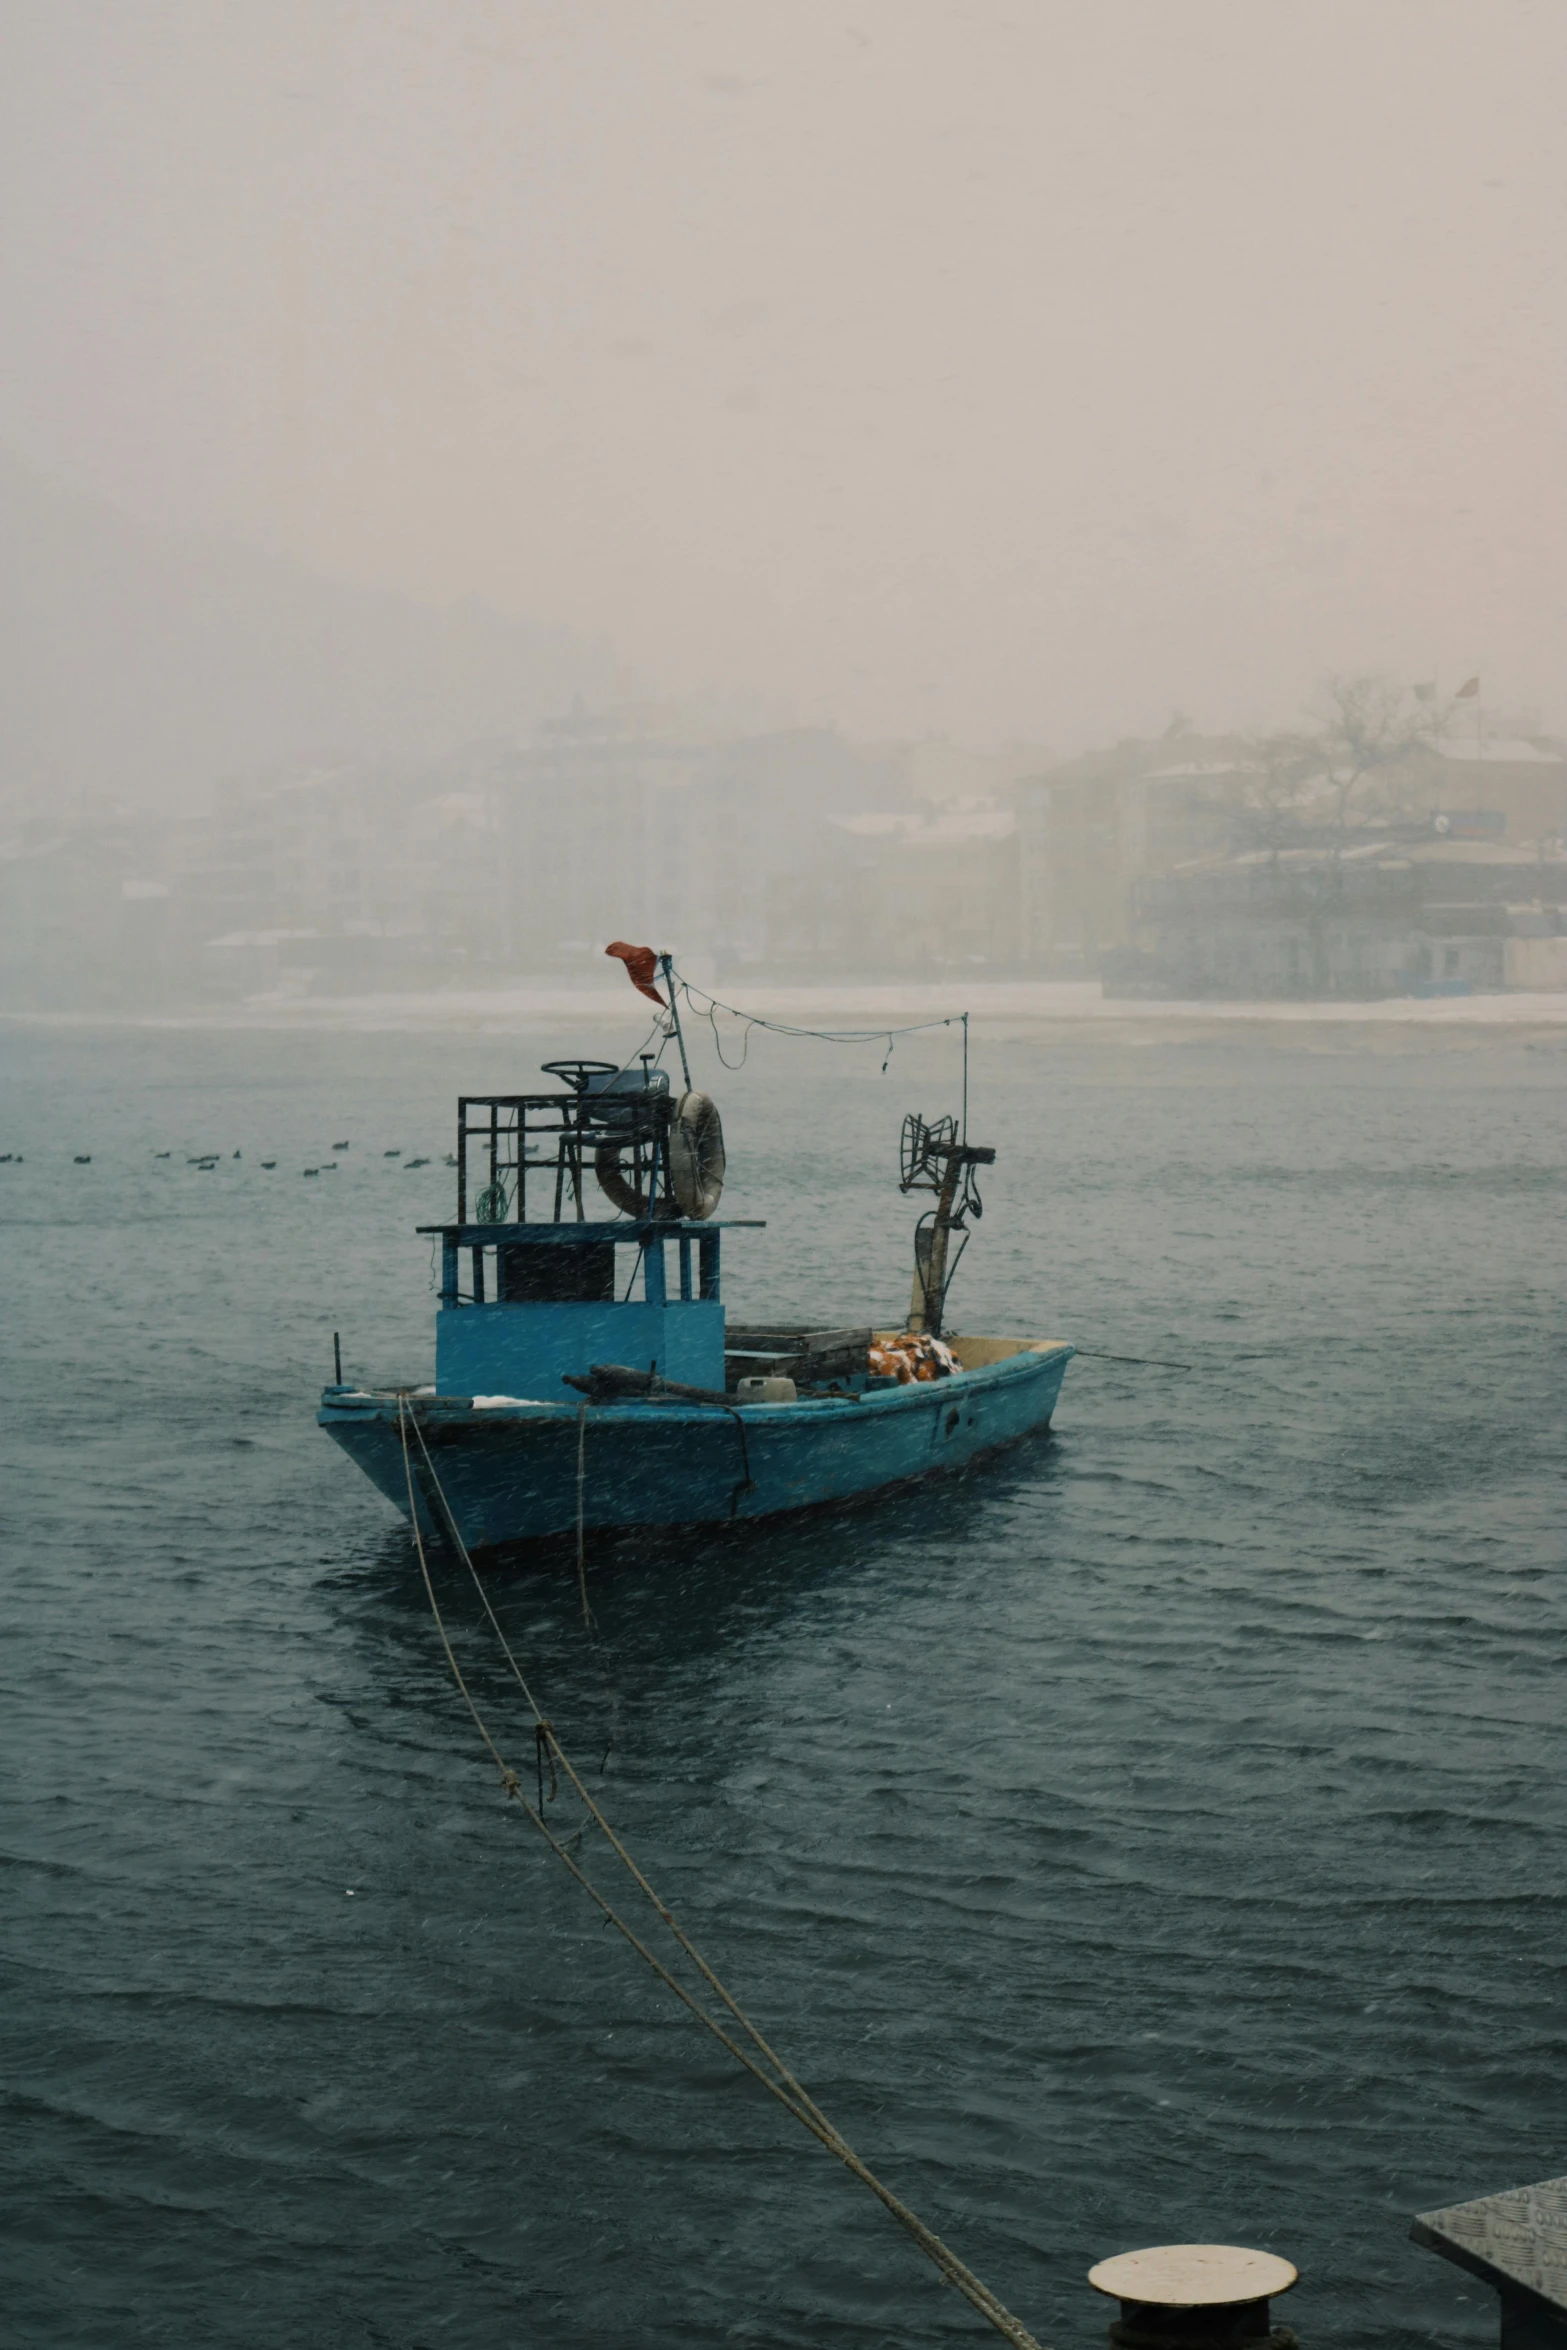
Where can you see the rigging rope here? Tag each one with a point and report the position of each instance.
(715, 1005)
(779, 2082)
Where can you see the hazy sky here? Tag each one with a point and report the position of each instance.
(1022, 369)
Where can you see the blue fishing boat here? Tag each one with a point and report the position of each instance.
(586, 1374)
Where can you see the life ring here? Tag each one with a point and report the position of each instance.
(612, 1181)
(696, 1162)
(696, 1155)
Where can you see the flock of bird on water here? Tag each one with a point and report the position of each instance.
(206, 1161)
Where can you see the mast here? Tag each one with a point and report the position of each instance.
(666, 965)
(935, 1158)
(930, 1254)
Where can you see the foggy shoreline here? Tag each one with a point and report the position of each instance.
(1033, 1007)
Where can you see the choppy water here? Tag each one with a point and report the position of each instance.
(1155, 1836)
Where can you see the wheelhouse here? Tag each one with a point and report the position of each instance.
(536, 1281)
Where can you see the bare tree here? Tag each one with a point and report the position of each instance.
(1369, 730)
(1281, 765)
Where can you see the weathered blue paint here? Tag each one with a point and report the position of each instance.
(510, 1473)
(526, 1350)
(507, 1441)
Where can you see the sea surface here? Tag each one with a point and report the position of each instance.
(1157, 1834)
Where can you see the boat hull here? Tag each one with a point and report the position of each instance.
(508, 1470)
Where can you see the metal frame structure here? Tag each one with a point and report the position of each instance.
(632, 1116)
(614, 1131)
(698, 1278)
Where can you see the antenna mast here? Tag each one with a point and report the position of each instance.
(666, 965)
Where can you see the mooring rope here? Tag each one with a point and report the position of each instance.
(780, 2083)
(582, 1477)
(747, 1482)
(1148, 1362)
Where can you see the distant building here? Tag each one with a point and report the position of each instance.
(723, 850)
(1187, 864)
(340, 878)
(1521, 781)
(93, 915)
(1379, 916)
(915, 890)
(1088, 831)
(497, 862)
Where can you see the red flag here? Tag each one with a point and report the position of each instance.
(1467, 693)
(641, 963)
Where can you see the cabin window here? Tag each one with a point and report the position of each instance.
(556, 1274)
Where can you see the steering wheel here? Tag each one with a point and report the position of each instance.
(576, 1073)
